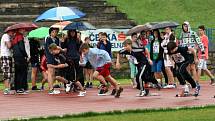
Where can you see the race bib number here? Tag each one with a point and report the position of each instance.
(156, 47)
(178, 58)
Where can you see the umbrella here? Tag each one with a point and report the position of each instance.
(26, 26)
(80, 26)
(139, 28)
(61, 25)
(40, 33)
(61, 14)
(165, 24)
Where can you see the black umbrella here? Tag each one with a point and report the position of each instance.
(81, 26)
(139, 28)
(164, 24)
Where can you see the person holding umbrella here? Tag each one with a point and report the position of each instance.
(21, 62)
(50, 58)
(6, 60)
(71, 46)
(156, 54)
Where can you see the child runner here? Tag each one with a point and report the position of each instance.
(204, 57)
(101, 61)
(142, 63)
(183, 56)
(67, 72)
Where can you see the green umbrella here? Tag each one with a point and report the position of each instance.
(40, 33)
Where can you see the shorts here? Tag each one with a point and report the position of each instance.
(104, 70)
(202, 64)
(35, 65)
(133, 70)
(88, 66)
(34, 61)
(157, 66)
(68, 73)
(6, 67)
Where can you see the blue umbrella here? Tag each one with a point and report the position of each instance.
(61, 14)
(80, 26)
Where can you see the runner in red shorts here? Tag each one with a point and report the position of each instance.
(101, 61)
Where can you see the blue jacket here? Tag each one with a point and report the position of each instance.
(106, 47)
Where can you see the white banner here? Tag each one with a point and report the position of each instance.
(115, 36)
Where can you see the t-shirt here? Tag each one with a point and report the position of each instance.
(49, 56)
(204, 40)
(27, 47)
(5, 51)
(181, 55)
(156, 49)
(137, 53)
(66, 72)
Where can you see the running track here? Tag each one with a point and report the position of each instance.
(38, 104)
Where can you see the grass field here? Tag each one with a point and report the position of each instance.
(197, 12)
(184, 114)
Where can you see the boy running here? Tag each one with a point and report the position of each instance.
(183, 56)
(67, 72)
(142, 63)
(101, 61)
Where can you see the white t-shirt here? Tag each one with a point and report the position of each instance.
(27, 47)
(5, 51)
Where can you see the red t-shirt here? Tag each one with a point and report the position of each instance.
(204, 40)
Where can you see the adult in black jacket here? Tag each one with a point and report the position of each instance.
(20, 59)
(72, 45)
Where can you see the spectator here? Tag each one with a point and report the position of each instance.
(167, 61)
(133, 69)
(34, 52)
(71, 45)
(6, 60)
(99, 39)
(20, 59)
(189, 38)
(204, 57)
(88, 69)
(156, 54)
(50, 58)
(105, 44)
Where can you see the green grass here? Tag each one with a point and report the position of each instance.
(197, 12)
(181, 114)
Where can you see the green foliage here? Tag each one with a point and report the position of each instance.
(197, 12)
